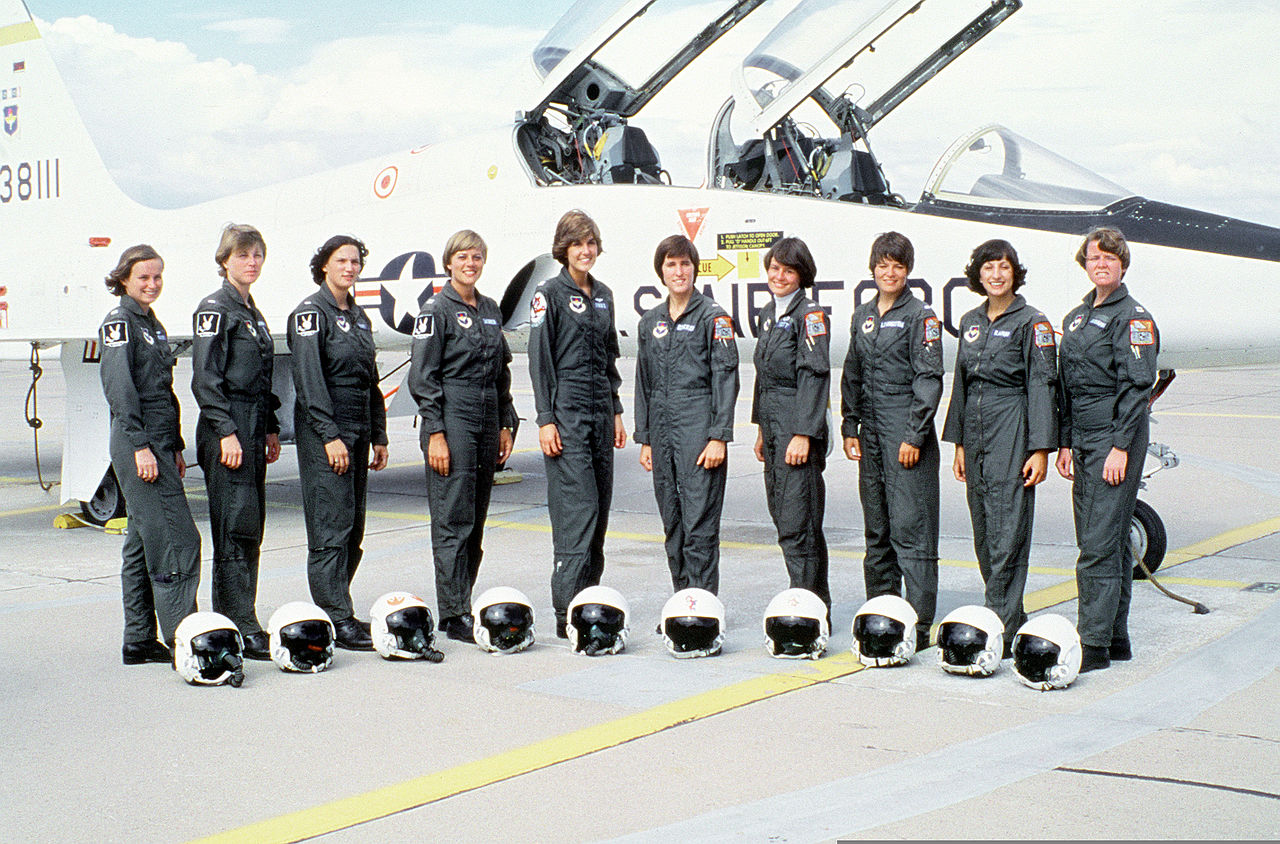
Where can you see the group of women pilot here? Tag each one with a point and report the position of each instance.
(1016, 398)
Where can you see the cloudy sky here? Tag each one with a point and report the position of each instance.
(1176, 100)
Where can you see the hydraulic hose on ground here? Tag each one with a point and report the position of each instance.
(1196, 607)
(33, 412)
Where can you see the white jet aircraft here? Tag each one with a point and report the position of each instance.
(839, 64)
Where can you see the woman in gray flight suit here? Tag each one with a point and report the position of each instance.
(460, 375)
(1003, 421)
(1106, 369)
(161, 555)
(789, 406)
(233, 357)
(686, 385)
(573, 364)
(891, 387)
(338, 417)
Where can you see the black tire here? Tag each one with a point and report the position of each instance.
(107, 502)
(1147, 538)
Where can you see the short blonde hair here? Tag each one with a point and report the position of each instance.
(462, 241)
(236, 236)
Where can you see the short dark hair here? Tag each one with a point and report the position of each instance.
(325, 252)
(675, 246)
(124, 267)
(236, 236)
(1108, 240)
(993, 250)
(574, 226)
(792, 252)
(892, 245)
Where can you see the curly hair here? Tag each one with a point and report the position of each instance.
(993, 250)
(325, 252)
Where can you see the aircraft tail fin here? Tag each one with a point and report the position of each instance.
(45, 151)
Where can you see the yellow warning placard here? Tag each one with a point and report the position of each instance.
(729, 241)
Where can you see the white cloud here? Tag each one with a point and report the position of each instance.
(175, 129)
(254, 30)
(1177, 105)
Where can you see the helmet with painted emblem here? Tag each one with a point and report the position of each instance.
(208, 650)
(401, 628)
(970, 641)
(1047, 653)
(301, 638)
(693, 624)
(884, 632)
(597, 622)
(503, 620)
(795, 625)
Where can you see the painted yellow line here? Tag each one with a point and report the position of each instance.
(43, 508)
(350, 811)
(1205, 415)
(347, 812)
(18, 32)
(1066, 591)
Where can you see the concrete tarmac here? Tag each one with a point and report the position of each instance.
(1181, 742)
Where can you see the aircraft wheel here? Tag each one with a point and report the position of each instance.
(107, 502)
(1147, 539)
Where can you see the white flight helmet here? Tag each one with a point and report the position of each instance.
(597, 622)
(795, 625)
(301, 638)
(503, 620)
(970, 641)
(402, 628)
(208, 650)
(693, 624)
(884, 632)
(1046, 652)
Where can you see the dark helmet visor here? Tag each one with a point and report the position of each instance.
(1034, 656)
(878, 635)
(792, 635)
(961, 643)
(691, 632)
(309, 642)
(216, 651)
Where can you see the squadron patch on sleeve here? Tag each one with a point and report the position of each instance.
(724, 327)
(815, 324)
(306, 323)
(1142, 332)
(208, 323)
(115, 333)
(1043, 335)
(932, 329)
(538, 310)
(423, 327)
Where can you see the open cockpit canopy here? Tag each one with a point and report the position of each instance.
(806, 97)
(601, 63)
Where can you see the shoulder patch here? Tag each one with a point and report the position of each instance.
(1142, 332)
(815, 324)
(115, 333)
(724, 327)
(932, 329)
(538, 310)
(423, 327)
(1043, 335)
(306, 323)
(208, 323)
